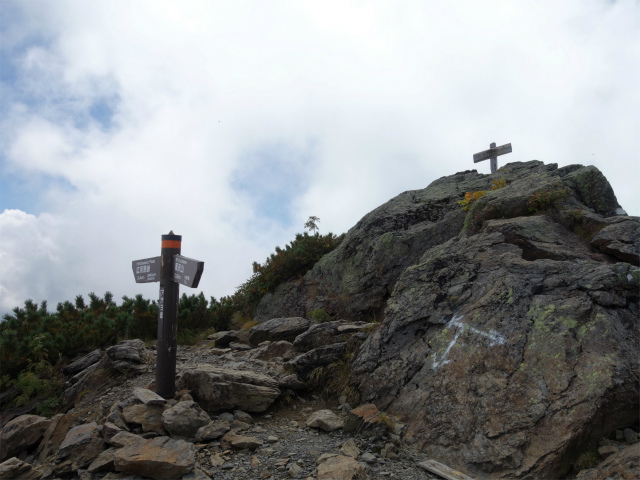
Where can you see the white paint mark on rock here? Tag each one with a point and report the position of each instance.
(494, 337)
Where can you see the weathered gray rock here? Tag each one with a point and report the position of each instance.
(148, 416)
(355, 280)
(318, 357)
(81, 445)
(270, 351)
(621, 240)
(82, 363)
(226, 389)
(325, 420)
(278, 329)
(21, 433)
(160, 458)
(79, 383)
(184, 419)
(212, 431)
(518, 358)
(223, 339)
(14, 469)
(319, 335)
(129, 356)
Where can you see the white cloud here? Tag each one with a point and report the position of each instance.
(386, 96)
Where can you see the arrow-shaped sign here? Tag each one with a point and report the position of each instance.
(187, 271)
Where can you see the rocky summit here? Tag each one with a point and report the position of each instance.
(484, 327)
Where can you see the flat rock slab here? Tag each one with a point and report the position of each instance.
(20, 433)
(82, 363)
(339, 467)
(227, 389)
(148, 397)
(278, 329)
(161, 458)
(443, 471)
(325, 420)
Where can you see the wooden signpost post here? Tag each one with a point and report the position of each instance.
(170, 269)
(492, 154)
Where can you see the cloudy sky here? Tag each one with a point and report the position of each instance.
(231, 123)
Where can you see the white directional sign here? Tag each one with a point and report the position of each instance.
(187, 271)
(146, 270)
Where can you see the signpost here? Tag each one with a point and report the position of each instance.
(170, 269)
(492, 154)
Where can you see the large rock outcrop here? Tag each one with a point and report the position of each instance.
(509, 332)
(355, 280)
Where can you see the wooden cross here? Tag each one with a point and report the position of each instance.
(492, 154)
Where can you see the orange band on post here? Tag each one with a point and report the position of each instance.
(171, 243)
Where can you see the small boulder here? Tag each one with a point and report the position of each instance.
(21, 433)
(341, 468)
(350, 449)
(227, 389)
(325, 420)
(241, 441)
(148, 416)
(212, 431)
(81, 445)
(242, 416)
(184, 419)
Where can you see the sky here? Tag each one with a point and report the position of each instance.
(231, 123)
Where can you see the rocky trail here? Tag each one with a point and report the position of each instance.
(299, 434)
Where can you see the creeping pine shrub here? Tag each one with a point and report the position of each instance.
(547, 198)
(319, 315)
(471, 197)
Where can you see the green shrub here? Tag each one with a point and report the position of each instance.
(545, 199)
(588, 459)
(319, 315)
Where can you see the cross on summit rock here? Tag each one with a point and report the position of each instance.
(492, 154)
